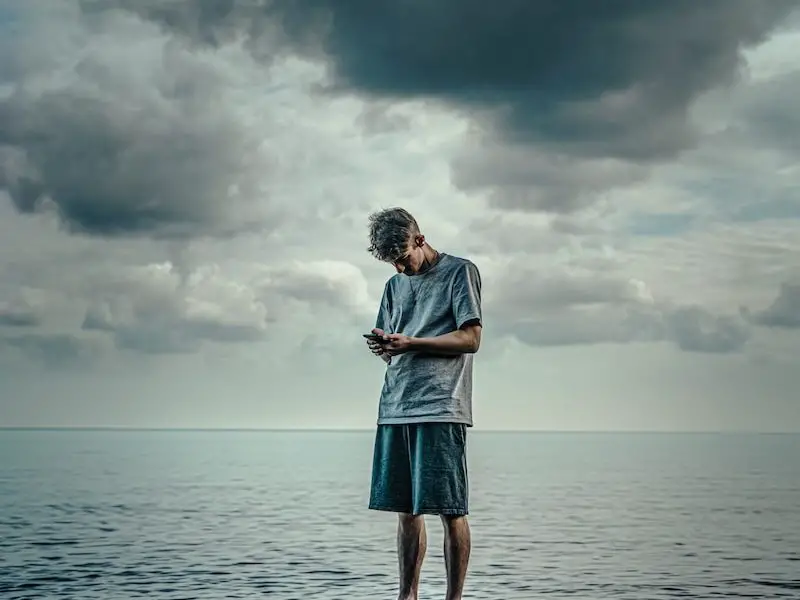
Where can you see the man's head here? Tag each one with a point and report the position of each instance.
(394, 237)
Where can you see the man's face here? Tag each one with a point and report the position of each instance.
(411, 262)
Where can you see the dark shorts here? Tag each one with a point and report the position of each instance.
(420, 468)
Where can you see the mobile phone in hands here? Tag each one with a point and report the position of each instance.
(375, 337)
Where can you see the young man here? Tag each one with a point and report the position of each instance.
(430, 324)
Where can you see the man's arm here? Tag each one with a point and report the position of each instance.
(466, 340)
(381, 323)
(466, 299)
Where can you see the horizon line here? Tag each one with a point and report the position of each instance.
(125, 428)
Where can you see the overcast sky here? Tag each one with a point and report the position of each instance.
(184, 191)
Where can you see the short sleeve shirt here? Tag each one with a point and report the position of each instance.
(420, 387)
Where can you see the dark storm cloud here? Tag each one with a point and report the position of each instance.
(115, 145)
(580, 81)
(596, 77)
(105, 173)
(535, 63)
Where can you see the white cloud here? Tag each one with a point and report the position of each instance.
(335, 285)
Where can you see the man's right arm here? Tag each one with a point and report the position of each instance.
(382, 322)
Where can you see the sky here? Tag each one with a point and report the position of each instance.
(185, 186)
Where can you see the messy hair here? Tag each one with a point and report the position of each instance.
(390, 231)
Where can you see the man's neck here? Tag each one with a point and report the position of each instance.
(431, 258)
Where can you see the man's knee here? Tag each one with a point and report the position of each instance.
(409, 520)
(453, 521)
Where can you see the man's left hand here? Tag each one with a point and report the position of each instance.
(397, 344)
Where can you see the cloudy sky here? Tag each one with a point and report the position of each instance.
(184, 188)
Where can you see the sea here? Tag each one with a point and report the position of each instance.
(117, 514)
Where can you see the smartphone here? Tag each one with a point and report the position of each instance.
(375, 337)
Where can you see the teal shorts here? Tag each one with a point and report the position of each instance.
(420, 468)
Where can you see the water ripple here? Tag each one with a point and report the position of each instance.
(168, 515)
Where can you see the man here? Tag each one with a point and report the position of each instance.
(430, 326)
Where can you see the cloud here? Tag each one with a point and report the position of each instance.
(575, 326)
(745, 170)
(766, 115)
(377, 118)
(553, 70)
(695, 329)
(507, 233)
(215, 23)
(528, 177)
(157, 309)
(120, 130)
(177, 308)
(334, 285)
(783, 313)
(529, 289)
(53, 351)
(16, 316)
(692, 329)
(595, 308)
(22, 311)
(184, 189)
(568, 101)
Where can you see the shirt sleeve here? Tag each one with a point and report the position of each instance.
(383, 320)
(467, 295)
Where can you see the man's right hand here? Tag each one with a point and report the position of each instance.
(377, 348)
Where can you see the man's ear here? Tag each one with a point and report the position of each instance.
(420, 240)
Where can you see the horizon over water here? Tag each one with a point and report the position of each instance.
(117, 513)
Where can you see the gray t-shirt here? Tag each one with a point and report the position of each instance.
(420, 387)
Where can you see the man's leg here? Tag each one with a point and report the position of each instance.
(440, 485)
(411, 545)
(392, 491)
(457, 545)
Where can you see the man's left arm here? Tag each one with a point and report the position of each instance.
(466, 300)
(466, 340)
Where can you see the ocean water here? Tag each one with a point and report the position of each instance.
(199, 514)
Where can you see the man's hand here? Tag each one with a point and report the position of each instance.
(397, 344)
(377, 348)
(466, 340)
